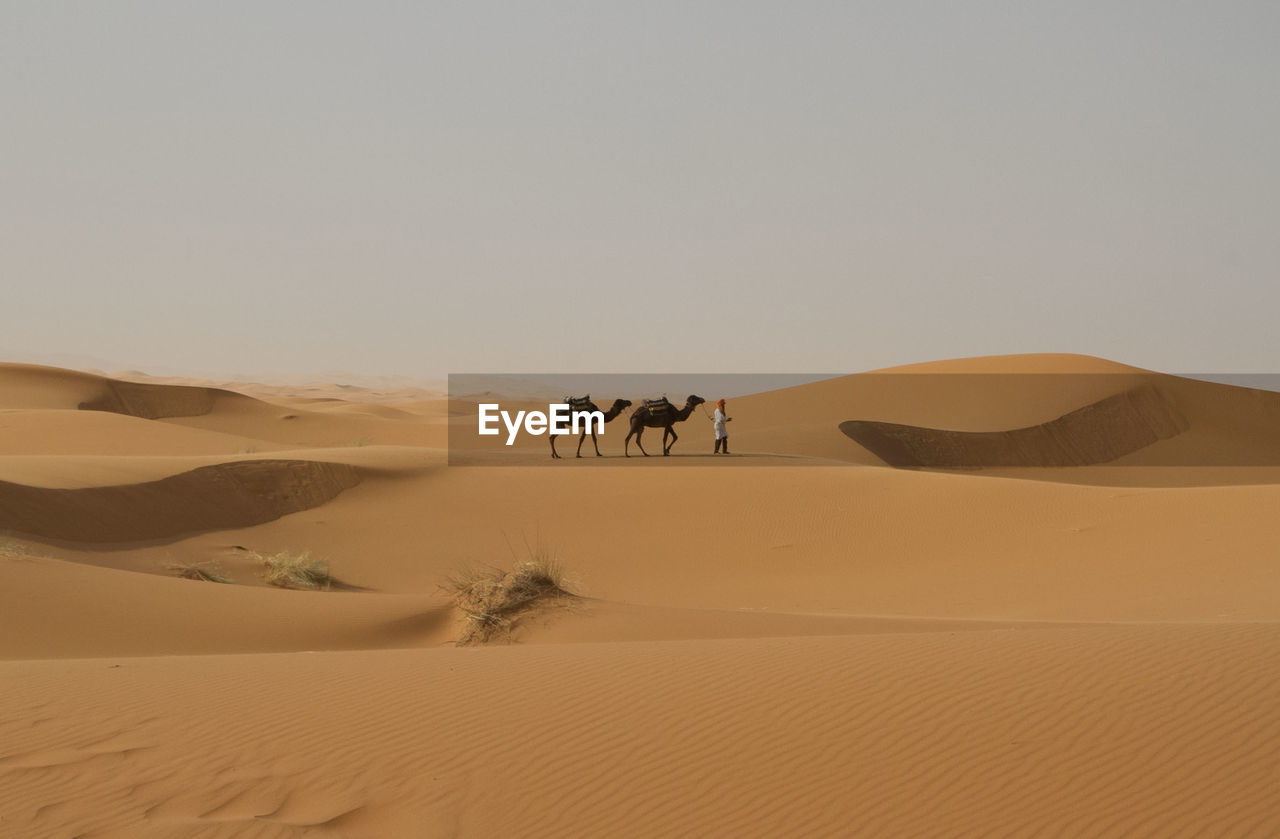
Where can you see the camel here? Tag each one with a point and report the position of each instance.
(619, 405)
(644, 417)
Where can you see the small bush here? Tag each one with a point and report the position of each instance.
(209, 572)
(11, 549)
(15, 551)
(493, 599)
(296, 570)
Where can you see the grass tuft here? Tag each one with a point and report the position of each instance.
(493, 600)
(209, 572)
(13, 549)
(296, 570)
(9, 547)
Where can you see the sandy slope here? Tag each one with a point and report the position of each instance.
(796, 640)
(51, 609)
(1113, 731)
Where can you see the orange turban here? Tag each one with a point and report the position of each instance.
(720, 405)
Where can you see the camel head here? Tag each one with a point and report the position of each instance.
(693, 401)
(621, 404)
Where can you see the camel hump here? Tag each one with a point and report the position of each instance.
(657, 406)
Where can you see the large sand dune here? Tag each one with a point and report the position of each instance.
(217, 497)
(1099, 432)
(797, 640)
(31, 386)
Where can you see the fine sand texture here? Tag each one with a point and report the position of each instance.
(1020, 596)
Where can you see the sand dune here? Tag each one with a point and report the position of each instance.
(1112, 731)
(1100, 432)
(217, 497)
(54, 609)
(795, 640)
(31, 386)
(64, 432)
(1227, 427)
(59, 600)
(202, 408)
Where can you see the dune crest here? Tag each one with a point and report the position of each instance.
(153, 401)
(31, 386)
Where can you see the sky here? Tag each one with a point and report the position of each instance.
(417, 189)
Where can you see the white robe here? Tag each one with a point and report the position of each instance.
(719, 425)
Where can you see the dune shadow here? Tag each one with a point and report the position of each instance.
(216, 497)
(1096, 433)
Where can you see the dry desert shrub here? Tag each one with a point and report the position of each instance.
(209, 572)
(493, 599)
(296, 570)
(12, 549)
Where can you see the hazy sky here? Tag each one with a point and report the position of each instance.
(419, 188)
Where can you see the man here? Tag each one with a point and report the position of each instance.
(722, 436)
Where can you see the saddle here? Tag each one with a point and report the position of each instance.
(579, 403)
(658, 407)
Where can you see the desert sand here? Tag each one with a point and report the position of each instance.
(796, 640)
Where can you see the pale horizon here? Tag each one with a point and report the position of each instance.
(403, 191)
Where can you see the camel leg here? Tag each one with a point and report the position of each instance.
(640, 434)
(596, 444)
(580, 439)
(553, 446)
(672, 431)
